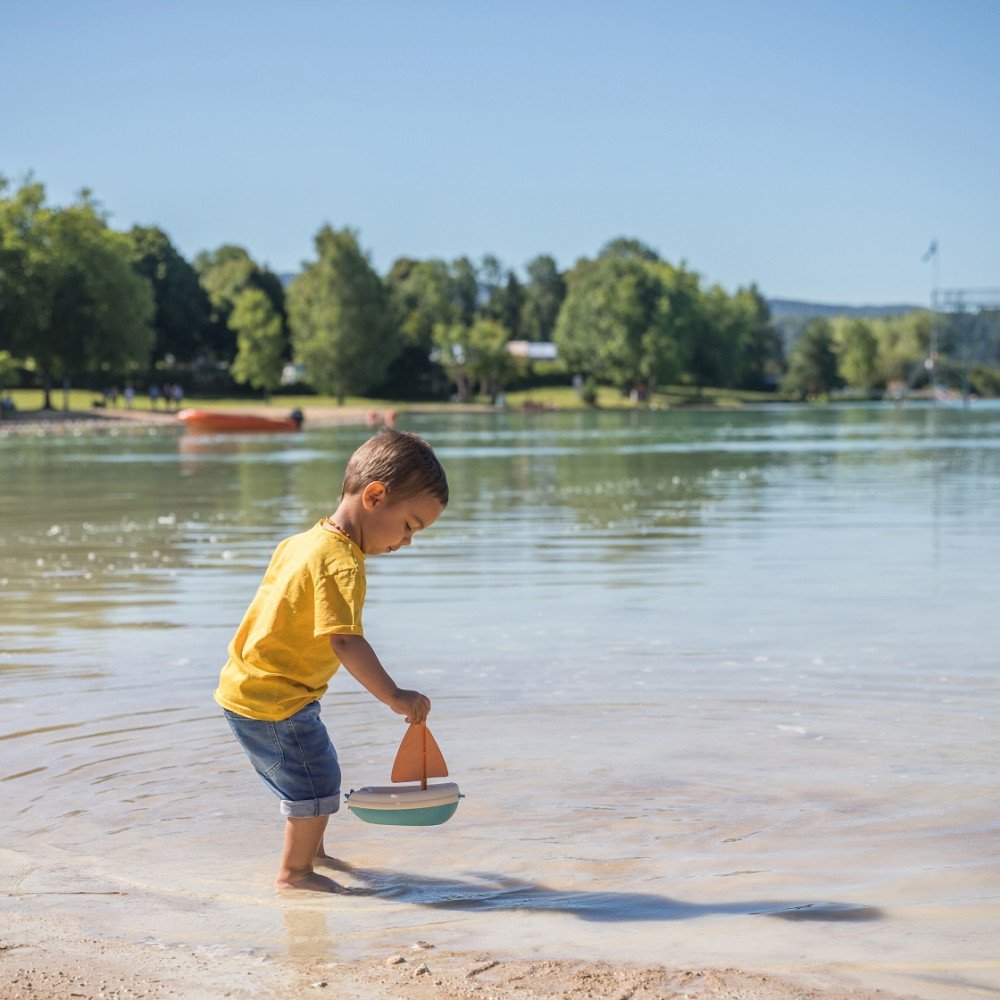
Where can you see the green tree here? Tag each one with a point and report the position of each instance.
(102, 302)
(492, 363)
(617, 323)
(8, 369)
(453, 351)
(490, 275)
(543, 298)
(476, 353)
(858, 354)
(260, 341)
(24, 271)
(500, 296)
(8, 374)
(761, 347)
(903, 344)
(717, 355)
(465, 289)
(629, 248)
(224, 273)
(734, 342)
(339, 309)
(183, 312)
(704, 353)
(812, 366)
(505, 304)
(422, 296)
(78, 304)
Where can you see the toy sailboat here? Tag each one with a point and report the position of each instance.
(418, 758)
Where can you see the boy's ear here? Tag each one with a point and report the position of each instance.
(374, 494)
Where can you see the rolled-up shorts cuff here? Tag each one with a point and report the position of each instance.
(295, 759)
(302, 808)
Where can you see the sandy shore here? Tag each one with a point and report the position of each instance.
(77, 421)
(49, 958)
(60, 421)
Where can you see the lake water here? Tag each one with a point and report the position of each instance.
(719, 688)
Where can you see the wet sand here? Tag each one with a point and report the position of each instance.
(52, 958)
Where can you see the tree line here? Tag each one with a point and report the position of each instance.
(81, 300)
(868, 356)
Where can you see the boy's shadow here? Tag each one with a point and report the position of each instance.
(490, 892)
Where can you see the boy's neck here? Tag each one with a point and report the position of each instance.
(346, 520)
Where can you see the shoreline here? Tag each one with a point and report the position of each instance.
(55, 421)
(41, 421)
(53, 957)
(34, 421)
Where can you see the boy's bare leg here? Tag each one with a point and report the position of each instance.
(328, 860)
(303, 839)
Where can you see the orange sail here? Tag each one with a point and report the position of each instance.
(418, 757)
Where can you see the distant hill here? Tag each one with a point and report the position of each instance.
(779, 307)
(790, 316)
(793, 307)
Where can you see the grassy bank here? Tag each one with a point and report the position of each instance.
(81, 400)
(549, 398)
(608, 398)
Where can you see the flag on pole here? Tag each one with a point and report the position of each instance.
(931, 250)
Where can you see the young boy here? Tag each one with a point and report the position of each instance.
(305, 621)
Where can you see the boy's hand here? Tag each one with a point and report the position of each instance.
(413, 705)
(361, 662)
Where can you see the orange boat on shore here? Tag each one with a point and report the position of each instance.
(220, 422)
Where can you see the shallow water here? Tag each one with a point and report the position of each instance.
(718, 687)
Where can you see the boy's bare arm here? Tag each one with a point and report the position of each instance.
(364, 666)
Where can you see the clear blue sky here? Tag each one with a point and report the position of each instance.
(815, 148)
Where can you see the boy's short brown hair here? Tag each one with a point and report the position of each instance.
(403, 462)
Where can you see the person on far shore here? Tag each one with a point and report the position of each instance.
(304, 622)
(129, 395)
(177, 395)
(154, 396)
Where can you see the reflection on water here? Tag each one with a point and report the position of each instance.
(698, 664)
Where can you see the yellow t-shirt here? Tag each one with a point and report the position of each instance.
(280, 659)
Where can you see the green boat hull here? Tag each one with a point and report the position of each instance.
(421, 816)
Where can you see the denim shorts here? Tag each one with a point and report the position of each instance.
(295, 758)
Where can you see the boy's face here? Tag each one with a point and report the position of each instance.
(390, 524)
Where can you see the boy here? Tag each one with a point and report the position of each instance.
(305, 621)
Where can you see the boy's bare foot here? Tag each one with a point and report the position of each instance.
(310, 881)
(314, 882)
(328, 861)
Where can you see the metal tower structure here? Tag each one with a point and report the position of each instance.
(965, 331)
